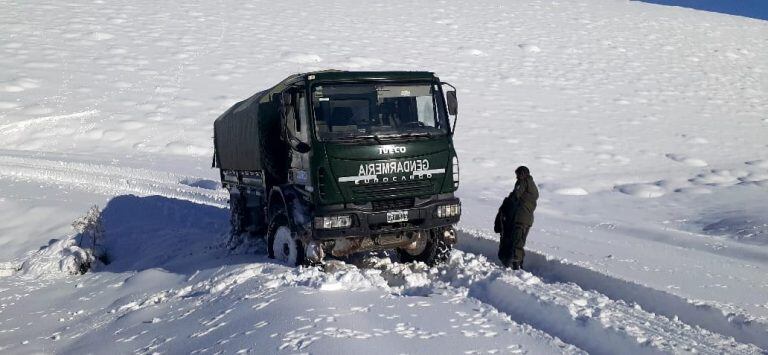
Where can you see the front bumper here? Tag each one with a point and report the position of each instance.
(368, 223)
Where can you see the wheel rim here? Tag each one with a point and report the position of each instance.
(284, 247)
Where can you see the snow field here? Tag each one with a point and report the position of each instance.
(160, 71)
(243, 305)
(110, 180)
(565, 310)
(476, 276)
(560, 309)
(644, 125)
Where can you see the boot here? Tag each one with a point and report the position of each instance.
(515, 265)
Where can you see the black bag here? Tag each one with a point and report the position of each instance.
(498, 223)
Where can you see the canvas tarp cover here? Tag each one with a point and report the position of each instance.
(236, 136)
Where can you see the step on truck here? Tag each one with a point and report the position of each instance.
(338, 162)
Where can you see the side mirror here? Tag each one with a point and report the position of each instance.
(453, 104)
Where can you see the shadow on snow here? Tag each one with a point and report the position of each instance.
(159, 232)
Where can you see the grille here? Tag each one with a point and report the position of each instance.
(383, 191)
(386, 205)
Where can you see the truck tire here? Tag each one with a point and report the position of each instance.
(281, 244)
(236, 214)
(236, 220)
(437, 251)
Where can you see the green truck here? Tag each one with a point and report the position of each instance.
(339, 162)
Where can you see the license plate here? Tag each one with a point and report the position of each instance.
(397, 216)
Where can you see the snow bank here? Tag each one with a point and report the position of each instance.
(75, 254)
(59, 257)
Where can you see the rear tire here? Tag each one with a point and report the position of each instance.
(236, 220)
(282, 245)
(437, 251)
(236, 213)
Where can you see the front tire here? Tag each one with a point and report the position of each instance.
(282, 245)
(437, 251)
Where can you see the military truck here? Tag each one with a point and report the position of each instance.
(339, 162)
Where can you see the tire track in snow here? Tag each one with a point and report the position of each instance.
(20, 125)
(734, 323)
(586, 319)
(107, 179)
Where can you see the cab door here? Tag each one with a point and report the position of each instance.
(297, 127)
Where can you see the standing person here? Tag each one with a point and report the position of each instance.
(515, 218)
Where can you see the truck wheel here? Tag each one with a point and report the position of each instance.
(236, 220)
(437, 251)
(281, 244)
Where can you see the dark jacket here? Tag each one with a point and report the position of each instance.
(518, 207)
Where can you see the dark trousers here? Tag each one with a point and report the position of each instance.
(511, 252)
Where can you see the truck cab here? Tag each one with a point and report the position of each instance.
(348, 162)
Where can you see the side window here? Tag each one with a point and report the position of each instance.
(426, 110)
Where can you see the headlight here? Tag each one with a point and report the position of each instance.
(455, 172)
(445, 211)
(330, 222)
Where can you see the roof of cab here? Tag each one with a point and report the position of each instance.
(333, 75)
(338, 75)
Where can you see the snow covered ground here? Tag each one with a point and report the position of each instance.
(645, 126)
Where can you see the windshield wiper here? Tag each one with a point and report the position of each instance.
(371, 136)
(359, 138)
(380, 139)
(417, 134)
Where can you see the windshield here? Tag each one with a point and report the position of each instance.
(344, 111)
